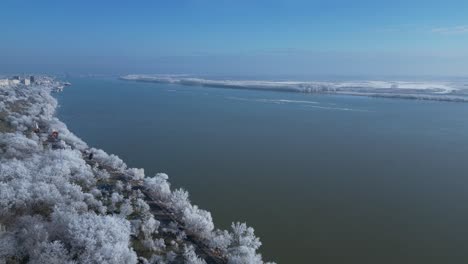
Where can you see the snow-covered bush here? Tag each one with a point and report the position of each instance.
(158, 186)
(111, 160)
(243, 246)
(149, 226)
(135, 174)
(190, 257)
(198, 221)
(50, 253)
(93, 238)
(16, 145)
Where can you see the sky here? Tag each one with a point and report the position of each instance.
(276, 37)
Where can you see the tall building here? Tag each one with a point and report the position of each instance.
(31, 79)
(25, 81)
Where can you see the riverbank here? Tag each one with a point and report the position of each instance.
(59, 205)
(419, 90)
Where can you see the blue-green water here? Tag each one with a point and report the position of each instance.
(336, 179)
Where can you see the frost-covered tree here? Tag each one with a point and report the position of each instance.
(93, 238)
(50, 253)
(111, 160)
(190, 257)
(135, 174)
(243, 246)
(158, 186)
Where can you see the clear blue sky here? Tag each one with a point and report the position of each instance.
(236, 37)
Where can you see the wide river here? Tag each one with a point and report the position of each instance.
(322, 179)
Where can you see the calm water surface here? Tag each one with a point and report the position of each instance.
(331, 179)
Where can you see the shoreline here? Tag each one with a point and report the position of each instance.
(149, 221)
(381, 89)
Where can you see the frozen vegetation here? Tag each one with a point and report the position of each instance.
(442, 91)
(59, 206)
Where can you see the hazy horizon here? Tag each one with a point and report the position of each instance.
(301, 38)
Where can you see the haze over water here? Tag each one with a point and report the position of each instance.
(322, 179)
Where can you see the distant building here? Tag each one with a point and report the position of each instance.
(32, 79)
(13, 81)
(25, 81)
(4, 82)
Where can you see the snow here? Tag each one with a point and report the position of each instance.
(448, 91)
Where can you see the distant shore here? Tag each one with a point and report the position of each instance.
(435, 91)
